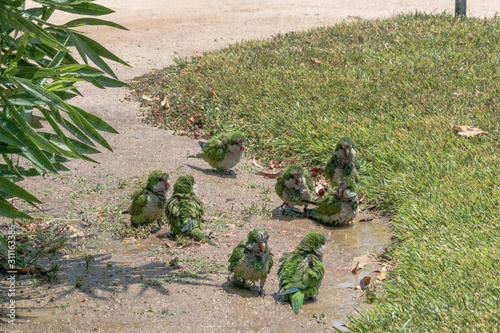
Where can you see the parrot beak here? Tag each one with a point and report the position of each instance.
(298, 181)
(167, 184)
(340, 193)
(242, 147)
(347, 152)
(262, 247)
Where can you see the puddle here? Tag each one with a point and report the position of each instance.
(131, 287)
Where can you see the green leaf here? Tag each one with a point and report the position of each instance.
(86, 51)
(67, 146)
(87, 128)
(33, 73)
(6, 171)
(101, 50)
(93, 21)
(73, 129)
(79, 146)
(7, 210)
(32, 150)
(7, 137)
(23, 98)
(83, 8)
(37, 32)
(109, 82)
(11, 166)
(42, 143)
(4, 245)
(97, 122)
(12, 190)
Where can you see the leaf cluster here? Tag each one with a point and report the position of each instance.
(38, 76)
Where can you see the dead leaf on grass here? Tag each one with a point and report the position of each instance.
(315, 61)
(358, 263)
(316, 171)
(365, 282)
(164, 103)
(468, 131)
(361, 196)
(381, 274)
(255, 163)
(320, 189)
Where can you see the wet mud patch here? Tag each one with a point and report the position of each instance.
(116, 284)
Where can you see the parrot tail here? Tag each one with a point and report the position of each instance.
(196, 155)
(297, 300)
(311, 213)
(198, 235)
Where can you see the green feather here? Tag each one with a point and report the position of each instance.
(238, 253)
(297, 299)
(329, 204)
(139, 200)
(309, 181)
(280, 186)
(184, 210)
(301, 271)
(154, 178)
(288, 173)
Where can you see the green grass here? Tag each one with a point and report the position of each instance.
(396, 87)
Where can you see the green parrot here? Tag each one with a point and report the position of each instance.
(148, 203)
(302, 270)
(252, 260)
(223, 151)
(295, 186)
(184, 210)
(337, 208)
(343, 162)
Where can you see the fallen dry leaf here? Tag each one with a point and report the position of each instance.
(320, 189)
(468, 131)
(255, 163)
(146, 98)
(165, 245)
(365, 282)
(164, 103)
(316, 172)
(315, 61)
(358, 263)
(361, 196)
(382, 274)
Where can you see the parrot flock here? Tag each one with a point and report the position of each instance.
(300, 271)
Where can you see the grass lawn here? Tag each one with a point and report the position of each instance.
(396, 87)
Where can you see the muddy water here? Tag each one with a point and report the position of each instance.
(116, 294)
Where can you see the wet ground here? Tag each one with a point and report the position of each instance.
(159, 285)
